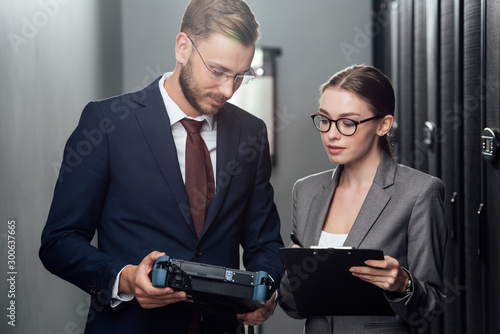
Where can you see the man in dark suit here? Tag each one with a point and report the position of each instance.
(123, 176)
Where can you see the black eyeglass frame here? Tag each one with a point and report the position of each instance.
(224, 76)
(356, 123)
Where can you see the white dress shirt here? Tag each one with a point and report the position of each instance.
(208, 131)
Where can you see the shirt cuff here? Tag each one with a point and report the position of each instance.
(116, 297)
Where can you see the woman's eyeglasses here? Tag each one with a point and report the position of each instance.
(346, 126)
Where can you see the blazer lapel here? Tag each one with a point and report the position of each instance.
(155, 124)
(228, 134)
(375, 202)
(319, 209)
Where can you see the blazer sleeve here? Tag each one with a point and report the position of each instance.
(261, 238)
(74, 216)
(285, 298)
(425, 256)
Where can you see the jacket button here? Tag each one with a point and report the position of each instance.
(197, 252)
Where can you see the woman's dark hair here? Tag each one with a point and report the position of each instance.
(371, 85)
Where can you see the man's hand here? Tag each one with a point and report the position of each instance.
(135, 280)
(261, 314)
(386, 274)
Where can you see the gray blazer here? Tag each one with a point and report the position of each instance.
(403, 215)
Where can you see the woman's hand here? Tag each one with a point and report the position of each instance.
(386, 274)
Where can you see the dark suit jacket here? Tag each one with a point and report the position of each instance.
(402, 215)
(120, 177)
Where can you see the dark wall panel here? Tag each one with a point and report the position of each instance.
(432, 139)
(451, 126)
(420, 154)
(405, 113)
(491, 90)
(472, 165)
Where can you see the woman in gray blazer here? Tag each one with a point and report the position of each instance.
(370, 201)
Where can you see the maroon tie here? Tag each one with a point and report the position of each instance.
(199, 178)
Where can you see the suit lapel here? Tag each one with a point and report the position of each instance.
(155, 125)
(375, 202)
(228, 139)
(319, 209)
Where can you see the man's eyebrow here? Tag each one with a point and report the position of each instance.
(222, 68)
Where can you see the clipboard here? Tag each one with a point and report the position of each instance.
(322, 284)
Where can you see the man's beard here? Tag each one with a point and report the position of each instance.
(192, 92)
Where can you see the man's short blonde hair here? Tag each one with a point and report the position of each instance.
(231, 18)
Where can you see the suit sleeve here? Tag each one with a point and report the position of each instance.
(74, 216)
(261, 239)
(425, 255)
(286, 299)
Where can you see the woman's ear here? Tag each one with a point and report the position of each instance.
(182, 44)
(385, 125)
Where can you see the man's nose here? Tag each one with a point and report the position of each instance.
(228, 88)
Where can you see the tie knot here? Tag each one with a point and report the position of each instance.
(191, 125)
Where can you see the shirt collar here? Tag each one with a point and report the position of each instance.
(175, 114)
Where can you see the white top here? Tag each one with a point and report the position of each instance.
(331, 240)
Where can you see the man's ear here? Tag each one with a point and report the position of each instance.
(182, 48)
(385, 125)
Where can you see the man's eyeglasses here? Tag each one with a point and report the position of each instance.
(239, 79)
(346, 126)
